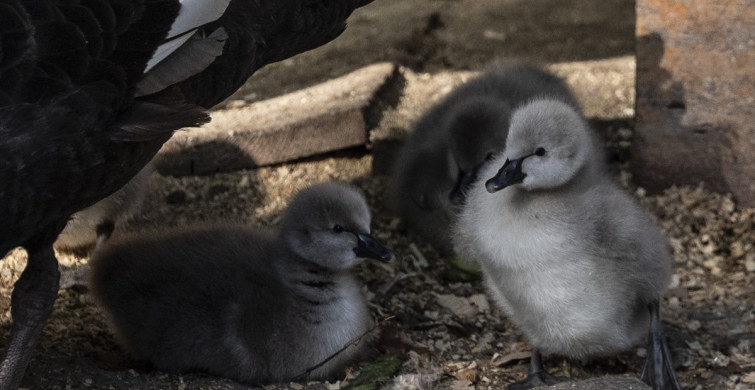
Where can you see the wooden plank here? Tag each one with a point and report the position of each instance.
(333, 115)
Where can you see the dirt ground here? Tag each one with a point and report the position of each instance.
(445, 330)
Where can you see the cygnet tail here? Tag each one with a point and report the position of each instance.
(658, 371)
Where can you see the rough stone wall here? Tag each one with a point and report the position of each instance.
(695, 104)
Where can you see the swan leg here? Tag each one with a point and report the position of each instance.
(31, 304)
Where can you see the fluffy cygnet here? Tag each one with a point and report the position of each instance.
(249, 304)
(567, 254)
(451, 141)
(96, 223)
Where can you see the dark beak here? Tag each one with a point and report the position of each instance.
(464, 180)
(368, 248)
(510, 173)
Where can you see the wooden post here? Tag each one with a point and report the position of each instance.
(695, 104)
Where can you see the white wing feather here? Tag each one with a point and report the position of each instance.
(193, 14)
(166, 49)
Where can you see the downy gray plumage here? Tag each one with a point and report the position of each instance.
(573, 260)
(251, 304)
(453, 139)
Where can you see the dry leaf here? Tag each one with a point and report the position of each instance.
(462, 307)
(502, 360)
(468, 374)
(481, 301)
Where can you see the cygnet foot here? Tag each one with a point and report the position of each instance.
(542, 378)
(537, 375)
(658, 372)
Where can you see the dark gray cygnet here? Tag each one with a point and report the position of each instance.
(254, 305)
(450, 143)
(574, 261)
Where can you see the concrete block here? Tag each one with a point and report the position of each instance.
(333, 115)
(695, 107)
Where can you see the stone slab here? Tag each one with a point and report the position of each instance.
(695, 113)
(333, 115)
(611, 382)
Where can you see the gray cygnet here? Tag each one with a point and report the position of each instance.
(453, 139)
(566, 253)
(250, 304)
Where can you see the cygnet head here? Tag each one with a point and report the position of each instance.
(329, 224)
(547, 146)
(477, 129)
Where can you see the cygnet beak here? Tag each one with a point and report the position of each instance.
(510, 173)
(369, 248)
(464, 180)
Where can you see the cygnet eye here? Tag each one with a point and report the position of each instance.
(489, 156)
(337, 228)
(540, 152)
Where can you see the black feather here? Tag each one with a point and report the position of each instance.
(105, 15)
(16, 33)
(62, 44)
(73, 130)
(69, 70)
(144, 121)
(262, 32)
(89, 26)
(137, 44)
